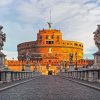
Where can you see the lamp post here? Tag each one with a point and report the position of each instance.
(47, 67)
(71, 58)
(76, 61)
(27, 62)
(22, 58)
(36, 63)
(38, 59)
(65, 65)
(71, 64)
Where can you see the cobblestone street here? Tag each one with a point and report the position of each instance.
(50, 88)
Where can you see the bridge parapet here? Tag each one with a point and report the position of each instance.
(92, 75)
(9, 76)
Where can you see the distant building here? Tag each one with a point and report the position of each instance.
(50, 48)
(85, 63)
(15, 65)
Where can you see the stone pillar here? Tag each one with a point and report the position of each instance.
(96, 60)
(98, 80)
(2, 60)
(91, 76)
(8, 76)
(95, 76)
(86, 75)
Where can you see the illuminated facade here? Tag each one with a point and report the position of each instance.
(48, 53)
(50, 48)
(15, 65)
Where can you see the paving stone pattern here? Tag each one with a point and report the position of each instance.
(50, 88)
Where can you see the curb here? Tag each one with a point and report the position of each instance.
(7, 87)
(87, 85)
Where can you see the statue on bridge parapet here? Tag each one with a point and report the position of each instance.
(97, 37)
(97, 43)
(2, 40)
(71, 65)
(71, 58)
(27, 62)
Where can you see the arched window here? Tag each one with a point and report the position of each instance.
(75, 44)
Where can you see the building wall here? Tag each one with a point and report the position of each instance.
(15, 65)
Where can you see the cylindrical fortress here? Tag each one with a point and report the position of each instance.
(50, 47)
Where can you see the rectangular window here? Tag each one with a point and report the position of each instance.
(52, 42)
(49, 42)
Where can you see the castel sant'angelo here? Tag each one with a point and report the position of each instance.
(50, 48)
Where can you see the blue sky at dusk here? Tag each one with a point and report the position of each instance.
(22, 19)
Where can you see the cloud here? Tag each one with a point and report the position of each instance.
(11, 55)
(77, 20)
(17, 33)
(5, 2)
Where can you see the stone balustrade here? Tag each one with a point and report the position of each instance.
(92, 75)
(9, 76)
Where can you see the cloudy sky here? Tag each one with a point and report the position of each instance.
(77, 19)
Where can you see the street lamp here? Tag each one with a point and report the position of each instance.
(36, 63)
(38, 59)
(65, 65)
(22, 58)
(76, 61)
(47, 67)
(71, 59)
(27, 62)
